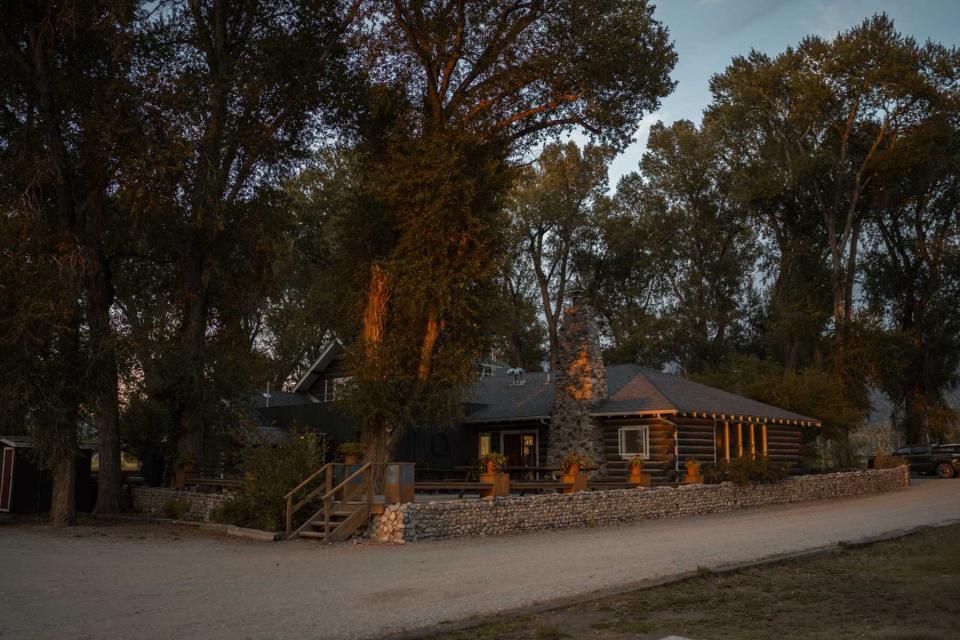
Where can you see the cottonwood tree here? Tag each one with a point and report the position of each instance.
(832, 110)
(468, 86)
(703, 240)
(67, 129)
(551, 212)
(913, 274)
(235, 94)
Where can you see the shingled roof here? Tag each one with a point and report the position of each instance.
(633, 390)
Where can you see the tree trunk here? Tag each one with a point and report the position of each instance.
(379, 442)
(63, 509)
(196, 297)
(103, 382)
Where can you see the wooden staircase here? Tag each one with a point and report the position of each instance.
(342, 508)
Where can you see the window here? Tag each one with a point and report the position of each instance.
(635, 441)
(333, 388)
(484, 444)
(902, 451)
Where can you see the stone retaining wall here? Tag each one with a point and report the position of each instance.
(151, 500)
(501, 516)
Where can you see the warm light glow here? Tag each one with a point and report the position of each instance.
(580, 373)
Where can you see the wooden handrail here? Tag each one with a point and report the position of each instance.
(326, 503)
(306, 481)
(329, 492)
(353, 475)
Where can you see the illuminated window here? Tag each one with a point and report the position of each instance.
(529, 450)
(484, 444)
(635, 441)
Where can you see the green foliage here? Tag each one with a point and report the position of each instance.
(552, 209)
(745, 470)
(176, 508)
(635, 463)
(818, 393)
(659, 303)
(272, 471)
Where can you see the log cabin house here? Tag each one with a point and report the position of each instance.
(610, 414)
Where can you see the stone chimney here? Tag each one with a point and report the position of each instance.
(580, 384)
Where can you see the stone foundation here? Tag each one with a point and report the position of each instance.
(501, 516)
(151, 500)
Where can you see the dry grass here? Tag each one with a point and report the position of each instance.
(906, 588)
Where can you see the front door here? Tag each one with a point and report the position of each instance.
(6, 479)
(520, 449)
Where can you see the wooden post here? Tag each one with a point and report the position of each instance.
(289, 514)
(739, 439)
(726, 441)
(753, 442)
(763, 437)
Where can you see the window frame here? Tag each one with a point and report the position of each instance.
(645, 429)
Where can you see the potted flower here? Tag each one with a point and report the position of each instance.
(187, 460)
(493, 462)
(350, 452)
(635, 465)
(572, 463)
(693, 471)
(570, 467)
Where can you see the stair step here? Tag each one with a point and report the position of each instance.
(319, 535)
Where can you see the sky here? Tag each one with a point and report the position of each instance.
(707, 34)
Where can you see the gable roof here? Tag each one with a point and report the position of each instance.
(634, 390)
(333, 349)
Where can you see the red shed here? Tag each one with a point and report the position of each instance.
(25, 488)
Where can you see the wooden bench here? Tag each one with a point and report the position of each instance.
(459, 487)
(607, 484)
(216, 483)
(537, 485)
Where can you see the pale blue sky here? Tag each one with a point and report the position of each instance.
(708, 33)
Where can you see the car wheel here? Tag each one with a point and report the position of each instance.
(944, 470)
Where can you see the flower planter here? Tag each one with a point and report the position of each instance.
(491, 467)
(575, 482)
(500, 484)
(351, 458)
(639, 479)
(693, 473)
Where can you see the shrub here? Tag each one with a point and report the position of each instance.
(635, 463)
(745, 470)
(176, 508)
(887, 461)
(351, 449)
(271, 471)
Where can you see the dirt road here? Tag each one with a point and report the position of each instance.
(156, 583)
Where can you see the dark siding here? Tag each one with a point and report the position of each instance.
(695, 439)
(472, 433)
(659, 466)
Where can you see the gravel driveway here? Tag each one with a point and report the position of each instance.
(140, 582)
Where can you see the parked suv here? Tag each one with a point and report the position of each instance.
(942, 459)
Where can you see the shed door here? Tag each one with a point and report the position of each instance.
(6, 479)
